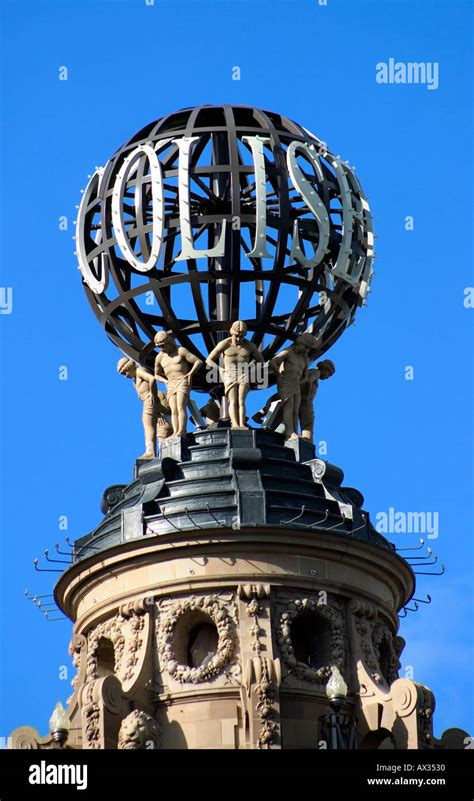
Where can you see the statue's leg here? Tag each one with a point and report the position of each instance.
(149, 427)
(288, 417)
(243, 392)
(296, 408)
(307, 426)
(181, 404)
(233, 401)
(174, 415)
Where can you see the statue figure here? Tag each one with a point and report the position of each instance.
(172, 368)
(238, 353)
(154, 404)
(291, 367)
(323, 370)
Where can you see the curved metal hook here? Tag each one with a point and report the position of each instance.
(286, 522)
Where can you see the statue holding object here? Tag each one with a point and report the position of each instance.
(238, 353)
(291, 367)
(155, 406)
(174, 367)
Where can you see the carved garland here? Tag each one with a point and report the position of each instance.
(170, 615)
(381, 635)
(126, 648)
(76, 651)
(330, 611)
(373, 634)
(91, 717)
(264, 688)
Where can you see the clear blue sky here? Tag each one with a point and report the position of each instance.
(404, 444)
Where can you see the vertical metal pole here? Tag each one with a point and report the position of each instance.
(220, 153)
(334, 731)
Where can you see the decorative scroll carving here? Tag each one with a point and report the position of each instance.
(126, 633)
(25, 738)
(76, 652)
(411, 698)
(101, 704)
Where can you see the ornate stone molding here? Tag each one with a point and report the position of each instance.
(259, 670)
(101, 701)
(330, 609)
(211, 606)
(373, 634)
(77, 651)
(381, 635)
(127, 632)
(411, 699)
(265, 693)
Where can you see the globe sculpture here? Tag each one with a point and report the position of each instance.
(221, 213)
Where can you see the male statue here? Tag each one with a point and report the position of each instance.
(174, 367)
(323, 370)
(238, 353)
(291, 366)
(154, 404)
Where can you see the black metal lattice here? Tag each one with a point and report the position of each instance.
(197, 298)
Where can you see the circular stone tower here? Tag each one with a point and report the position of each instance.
(223, 584)
(235, 594)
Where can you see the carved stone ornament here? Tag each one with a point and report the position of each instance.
(328, 608)
(126, 633)
(265, 694)
(76, 652)
(409, 697)
(211, 607)
(139, 731)
(374, 636)
(91, 718)
(260, 669)
(383, 638)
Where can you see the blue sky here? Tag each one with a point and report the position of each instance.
(404, 444)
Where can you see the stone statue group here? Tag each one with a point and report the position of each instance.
(175, 365)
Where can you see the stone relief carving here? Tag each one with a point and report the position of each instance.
(382, 636)
(91, 718)
(139, 731)
(408, 698)
(330, 609)
(101, 699)
(125, 631)
(76, 651)
(374, 636)
(260, 669)
(222, 614)
(265, 693)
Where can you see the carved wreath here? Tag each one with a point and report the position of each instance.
(126, 648)
(331, 612)
(219, 615)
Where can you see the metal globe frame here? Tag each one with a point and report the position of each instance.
(285, 258)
